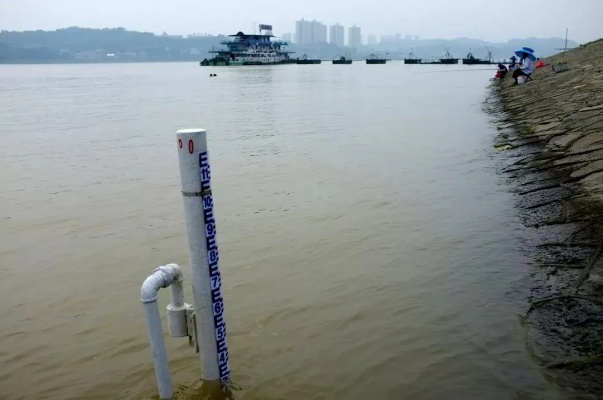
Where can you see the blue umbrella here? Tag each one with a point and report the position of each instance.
(527, 49)
(520, 53)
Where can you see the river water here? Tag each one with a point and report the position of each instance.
(369, 250)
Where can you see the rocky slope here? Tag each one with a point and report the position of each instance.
(552, 130)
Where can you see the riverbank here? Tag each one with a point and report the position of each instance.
(552, 129)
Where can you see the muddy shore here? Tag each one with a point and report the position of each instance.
(551, 128)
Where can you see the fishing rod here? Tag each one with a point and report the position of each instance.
(490, 58)
(457, 70)
(448, 55)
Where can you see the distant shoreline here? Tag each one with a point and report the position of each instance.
(84, 45)
(59, 62)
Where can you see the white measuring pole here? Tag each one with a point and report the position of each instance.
(203, 253)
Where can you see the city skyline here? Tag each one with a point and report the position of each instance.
(313, 31)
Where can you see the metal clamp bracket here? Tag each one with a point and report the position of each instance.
(193, 335)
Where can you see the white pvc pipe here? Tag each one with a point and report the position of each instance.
(203, 253)
(177, 290)
(162, 277)
(177, 310)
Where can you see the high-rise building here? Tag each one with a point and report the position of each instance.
(371, 39)
(303, 32)
(336, 35)
(287, 37)
(354, 37)
(319, 32)
(307, 32)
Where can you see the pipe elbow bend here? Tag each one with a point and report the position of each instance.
(162, 277)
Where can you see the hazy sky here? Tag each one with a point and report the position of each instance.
(495, 20)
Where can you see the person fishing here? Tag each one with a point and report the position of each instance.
(501, 72)
(527, 67)
(513, 63)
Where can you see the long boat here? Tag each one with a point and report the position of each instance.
(247, 49)
(471, 60)
(449, 59)
(373, 59)
(342, 60)
(411, 59)
(306, 60)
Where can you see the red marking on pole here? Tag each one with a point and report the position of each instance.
(180, 143)
(191, 147)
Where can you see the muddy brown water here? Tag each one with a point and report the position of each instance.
(368, 247)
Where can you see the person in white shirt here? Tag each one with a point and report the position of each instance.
(526, 69)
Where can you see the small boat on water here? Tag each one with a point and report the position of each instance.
(373, 59)
(471, 60)
(306, 60)
(342, 60)
(449, 59)
(411, 59)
